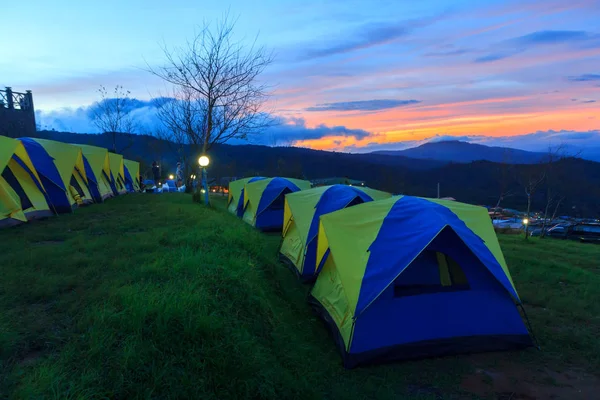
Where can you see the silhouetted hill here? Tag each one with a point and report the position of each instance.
(148, 148)
(480, 182)
(463, 152)
(475, 182)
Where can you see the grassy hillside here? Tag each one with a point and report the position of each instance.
(152, 296)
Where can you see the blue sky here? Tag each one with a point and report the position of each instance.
(348, 75)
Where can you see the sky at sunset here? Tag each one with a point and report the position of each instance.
(348, 75)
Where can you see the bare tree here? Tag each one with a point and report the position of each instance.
(505, 189)
(218, 78)
(554, 179)
(184, 126)
(531, 178)
(112, 114)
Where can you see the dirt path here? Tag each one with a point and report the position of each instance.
(510, 380)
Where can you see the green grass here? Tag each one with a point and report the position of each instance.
(153, 296)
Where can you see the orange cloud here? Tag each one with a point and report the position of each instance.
(579, 119)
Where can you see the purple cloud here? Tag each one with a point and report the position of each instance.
(585, 78)
(495, 57)
(511, 47)
(553, 37)
(362, 105)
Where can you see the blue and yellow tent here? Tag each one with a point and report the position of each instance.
(132, 175)
(264, 201)
(97, 158)
(301, 221)
(62, 170)
(117, 169)
(235, 199)
(22, 195)
(409, 277)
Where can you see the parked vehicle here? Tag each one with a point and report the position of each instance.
(583, 232)
(587, 233)
(557, 230)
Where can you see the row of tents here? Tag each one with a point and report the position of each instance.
(393, 277)
(41, 178)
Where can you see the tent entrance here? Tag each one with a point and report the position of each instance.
(431, 272)
(12, 180)
(76, 185)
(278, 203)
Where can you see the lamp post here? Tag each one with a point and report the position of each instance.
(204, 161)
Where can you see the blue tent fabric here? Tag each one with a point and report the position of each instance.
(415, 222)
(33, 177)
(269, 213)
(274, 189)
(51, 180)
(240, 205)
(128, 180)
(111, 180)
(333, 199)
(93, 186)
(169, 186)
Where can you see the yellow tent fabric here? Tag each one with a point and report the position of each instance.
(10, 206)
(118, 171)
(68, 160)
(100, 164)
(300, 211)
(253, 194)
(235, 189)
(26, 200)
(347, 234)
(134, 170)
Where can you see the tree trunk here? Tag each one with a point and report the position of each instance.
(205, 185)
(209, 125)
(548, 201)
(556, 207)
(527, 216)
(496, 208)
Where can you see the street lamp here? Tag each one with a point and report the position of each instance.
(204, 161)
(525, 221)
(171, 177)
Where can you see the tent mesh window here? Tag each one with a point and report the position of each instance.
(279, 202)
(431, 272)
(76, 185)
(12, 180)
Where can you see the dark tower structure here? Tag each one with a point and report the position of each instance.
(17, 116)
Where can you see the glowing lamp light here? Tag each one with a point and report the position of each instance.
(171, 176)
(525, 221)
(202, 191)
(204, 161)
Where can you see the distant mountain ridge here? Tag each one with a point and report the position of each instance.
(476, 182)
(463, 152)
